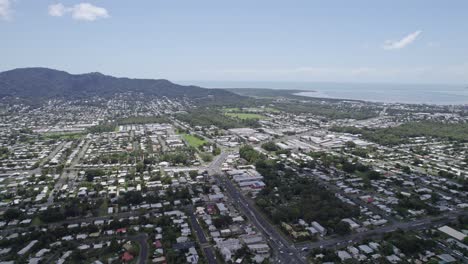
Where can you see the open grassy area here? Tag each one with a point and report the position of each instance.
(193, 140)
(250, 109)
(36, 221)
(245, 115)
(233, 109)
(63, 136)
(103, 208)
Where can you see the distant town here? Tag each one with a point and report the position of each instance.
(270, 179)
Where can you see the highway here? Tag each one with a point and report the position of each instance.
(284, 251)
(379, 232)
(287, 252)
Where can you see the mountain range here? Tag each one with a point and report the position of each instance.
(44, 83)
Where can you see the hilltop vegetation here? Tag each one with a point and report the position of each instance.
(43, 83)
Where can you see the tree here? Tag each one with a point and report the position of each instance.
(193, 174)
(387, 249)
(342, 228)
(348, 167)
(114, 246)
(11, 214)
(91, 173)
(270, 146)
(406, 169)
(350, 144)
(249, 154)
(132, 197)
(206, 157)
(374, 175)
(222, 221)
(140, 167)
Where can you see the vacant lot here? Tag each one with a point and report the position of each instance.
(193, 140)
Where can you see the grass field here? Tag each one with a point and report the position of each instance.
(227, 110)
(245, 115)
(63, 135)
(251, 109)
(193, 140)
(103, 208)
(36, 221)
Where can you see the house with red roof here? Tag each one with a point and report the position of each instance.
(121, 231)
(158, 244)
(127, 257)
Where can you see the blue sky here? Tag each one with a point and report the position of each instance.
(243, 40)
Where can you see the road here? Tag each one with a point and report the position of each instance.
(207, 248)
(334, 189)
(141, 239)
(79, 220)
(284, 251)
(37, 170)
(379, 232)
(68, 173)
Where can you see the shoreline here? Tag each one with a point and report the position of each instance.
(316, 94)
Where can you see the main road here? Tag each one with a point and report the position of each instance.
(418, 224)
(284, 251)
(287, 252)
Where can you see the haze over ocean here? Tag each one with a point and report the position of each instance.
(441, 94)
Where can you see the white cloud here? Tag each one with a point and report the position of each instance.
(405, 41)
(82, 11)
(5, 9)
(57, 10)
(88, 12)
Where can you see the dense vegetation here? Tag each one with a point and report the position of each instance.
(408, 243)
(105, 127)
(142, 120)
(402, 134)
(177, 157)
(328, 110)
(270, 146)
(208, 117)
(366, 173)
(43, 83)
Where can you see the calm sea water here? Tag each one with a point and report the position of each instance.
(388, 93)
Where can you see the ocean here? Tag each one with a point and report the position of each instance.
(439, 94)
